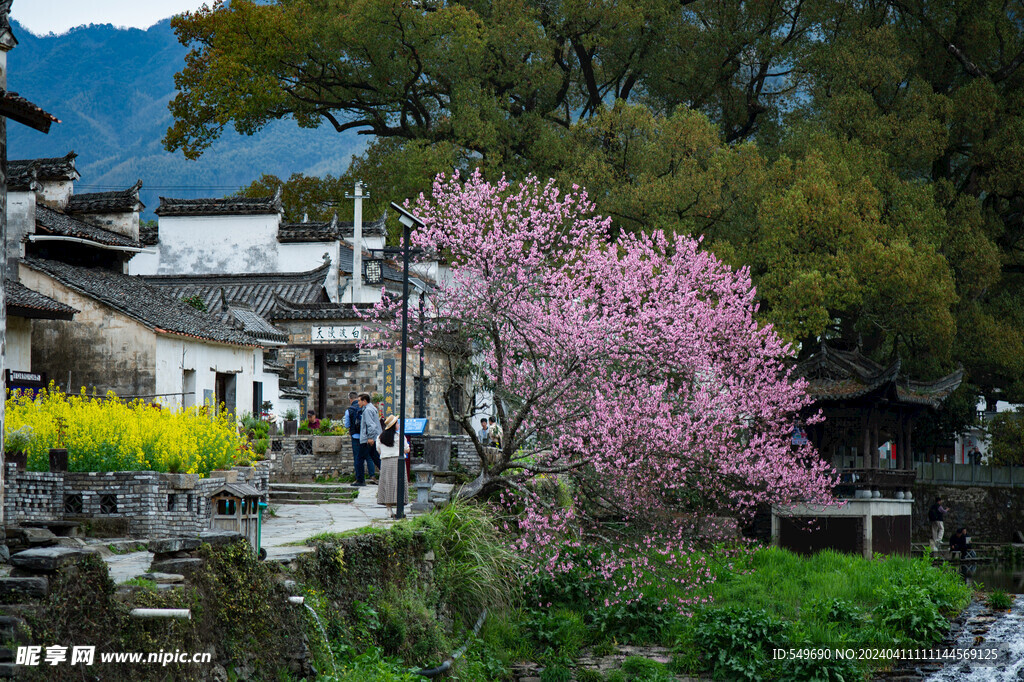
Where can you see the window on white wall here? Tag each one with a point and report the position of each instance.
(188, 388)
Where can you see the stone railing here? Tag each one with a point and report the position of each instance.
(969, 474)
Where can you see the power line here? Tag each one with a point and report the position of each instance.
(197, 188)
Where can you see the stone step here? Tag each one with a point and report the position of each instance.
(313, 494)
(313, 502)
(309, 487)
(309, 498)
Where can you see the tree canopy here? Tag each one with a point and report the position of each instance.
(864, 158)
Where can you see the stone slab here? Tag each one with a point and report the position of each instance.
(15, 589)
(163, 578)
(218, 538)
(178, 566)
(170, 545)
(46, 559)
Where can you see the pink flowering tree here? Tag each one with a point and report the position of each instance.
(633, 373)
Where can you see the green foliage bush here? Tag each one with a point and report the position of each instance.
(999, 600)
(734, 641)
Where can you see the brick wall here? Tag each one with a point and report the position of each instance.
(151, 504)
(293, 460)
(464, 452)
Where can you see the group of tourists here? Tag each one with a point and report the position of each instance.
(376, 453)
(490, 433)
(375, 449)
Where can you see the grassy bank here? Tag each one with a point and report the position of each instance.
(760, 600)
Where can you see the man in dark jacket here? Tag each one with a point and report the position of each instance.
(937, 515)
(353, 418)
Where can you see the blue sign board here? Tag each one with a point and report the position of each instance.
(415, 427)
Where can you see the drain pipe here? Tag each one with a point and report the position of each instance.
(434, 672)
(162, 613)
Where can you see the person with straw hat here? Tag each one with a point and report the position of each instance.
(387, 447)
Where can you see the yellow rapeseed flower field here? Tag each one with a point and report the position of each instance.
(103, 433)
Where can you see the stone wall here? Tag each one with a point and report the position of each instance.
(145, 504)
(990, 514)
(464, 452)
(294, 459)
(366, 375)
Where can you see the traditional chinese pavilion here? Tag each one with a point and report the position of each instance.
(867, 405)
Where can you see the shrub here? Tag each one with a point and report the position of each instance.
(641, 621)
(908, 610)
(640, 669)
(733, 641)
(475, 569)
(999, 600)
(106, 434)
(555, 673)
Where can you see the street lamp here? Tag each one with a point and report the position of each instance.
(408, 221)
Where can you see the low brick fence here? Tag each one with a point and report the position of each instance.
(301, 459)
(139, 504)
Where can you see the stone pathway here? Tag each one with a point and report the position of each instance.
(291, 523)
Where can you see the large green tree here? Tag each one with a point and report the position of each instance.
(862, 158)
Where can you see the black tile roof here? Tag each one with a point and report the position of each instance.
(17, 108)
(119, 201)
(245, 318)
(328, 231)
(221, 206)
(261, 291)
(23, 302)
(149, 235)
(52, 222)
(324, 310)
(836, 375)
(21, 172)
(147, 304)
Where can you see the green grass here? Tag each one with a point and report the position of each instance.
(141, 582)
(786, 585)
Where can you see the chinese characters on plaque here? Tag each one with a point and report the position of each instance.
(348, 333)
(302, 379)
(389, 387)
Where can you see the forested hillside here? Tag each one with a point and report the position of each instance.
(110, 88)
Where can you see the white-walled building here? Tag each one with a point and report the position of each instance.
(125, 336)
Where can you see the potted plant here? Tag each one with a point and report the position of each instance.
(291, 422)
(268, 416)
(16, 446)
(325, 440)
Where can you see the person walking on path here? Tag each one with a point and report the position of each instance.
(482, 433)
(937, 515)
(390, 460)
(369, 431)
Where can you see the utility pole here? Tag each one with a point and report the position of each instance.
(357, 242)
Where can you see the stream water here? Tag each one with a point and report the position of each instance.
(984, 629)
(323, 633)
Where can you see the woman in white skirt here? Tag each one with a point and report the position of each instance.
(387, 483)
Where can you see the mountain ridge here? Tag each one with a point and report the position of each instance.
(110, 87)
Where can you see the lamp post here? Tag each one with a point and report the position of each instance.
(408, 220)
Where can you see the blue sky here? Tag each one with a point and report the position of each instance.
(57, 16)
